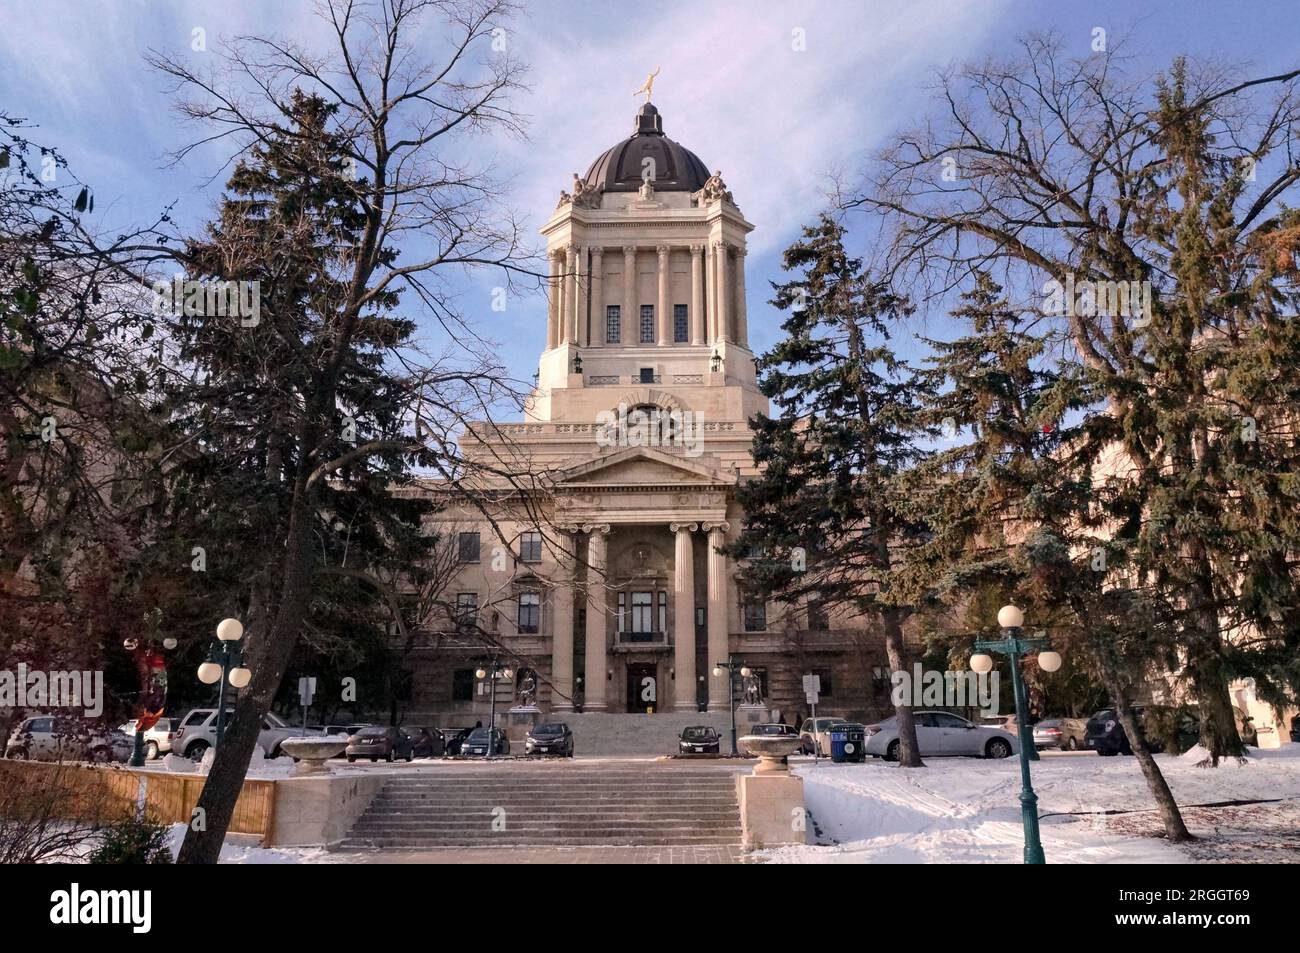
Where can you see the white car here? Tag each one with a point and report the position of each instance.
(197, 733)
(157, 740)
(941, 734)
(51, 738)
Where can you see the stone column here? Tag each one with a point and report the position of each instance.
(684, 618)
(697, 294)
(724, 295)
(580, 307)
(597, 296)
(567, 329)
(631, 320)
(553, 294)
(711, 294)
(597, 606)
(561, 623)
(718, 687)
(663, 322)
(742, 317)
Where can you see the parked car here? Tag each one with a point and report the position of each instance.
(776, 728)
(345, 730)
(816, 738)
(427, 742)
(50, 738)
(698, 739)
(455, 737)
(380, 741)
(197, 733)
(552, 737)
(476, 743)
(1105, 735)
(157, 740)
(941, 734)
(1064, 733)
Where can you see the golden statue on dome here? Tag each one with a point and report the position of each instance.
(648, 86)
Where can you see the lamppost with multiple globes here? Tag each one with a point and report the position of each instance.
(225, 663)
(1015, 646)
(491, 672)
(732, 668)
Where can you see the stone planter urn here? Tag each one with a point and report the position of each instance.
(772, 750)
(313, 753)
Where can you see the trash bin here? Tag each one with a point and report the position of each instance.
(848, 743)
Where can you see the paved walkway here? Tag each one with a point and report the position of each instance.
(549, 855)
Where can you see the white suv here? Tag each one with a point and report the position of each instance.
(197, 733)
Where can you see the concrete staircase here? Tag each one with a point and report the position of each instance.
(553, 804)
(620, 733)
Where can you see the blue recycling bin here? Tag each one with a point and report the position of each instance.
(848, 743)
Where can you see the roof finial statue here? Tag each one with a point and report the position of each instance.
(649, 86)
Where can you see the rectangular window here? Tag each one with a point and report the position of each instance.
(530, 612)
(622, 612)
(642, 613)
(755, 614)
(680, 335)
(817, 618)
(530, 547)
(647, 324)
(469, 547)
(613, 324)
(467, 608)
(663, 611)
(647, 375)
(462, 685)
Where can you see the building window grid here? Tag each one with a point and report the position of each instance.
(754, 613)
(680, 324)
(530, 547)
(530, 613)
(647, 324)
(613, 324)
(468, 547)
(467, 608)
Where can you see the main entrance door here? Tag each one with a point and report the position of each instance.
(642, 688)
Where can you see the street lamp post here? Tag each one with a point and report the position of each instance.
(225, 663)
(492, 671)
(1015, 646)
(731, 667)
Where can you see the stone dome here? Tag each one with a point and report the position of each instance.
(619, 168)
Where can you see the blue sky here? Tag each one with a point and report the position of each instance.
(776, 121)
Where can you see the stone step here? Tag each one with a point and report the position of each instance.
(588, 826)
(487, 840)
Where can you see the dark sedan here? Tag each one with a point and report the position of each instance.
(476, 745)
(550, 738)
(454, 738)
(1105, 735)
(776, 728)
(698, 739)
(377, 741)
(427, 742)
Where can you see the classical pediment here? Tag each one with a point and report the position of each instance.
(642, 465)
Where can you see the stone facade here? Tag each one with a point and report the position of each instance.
(624, 602)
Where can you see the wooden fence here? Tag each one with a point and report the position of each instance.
(106, 793)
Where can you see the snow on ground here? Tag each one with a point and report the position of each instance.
(964, 810)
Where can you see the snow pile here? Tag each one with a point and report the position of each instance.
(964, 810)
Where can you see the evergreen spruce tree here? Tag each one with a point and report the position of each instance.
(1012, 509)
(829, 512)
(300, 429)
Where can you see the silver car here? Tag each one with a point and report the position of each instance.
(51, 738)
(817, 736)
(941, 734)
